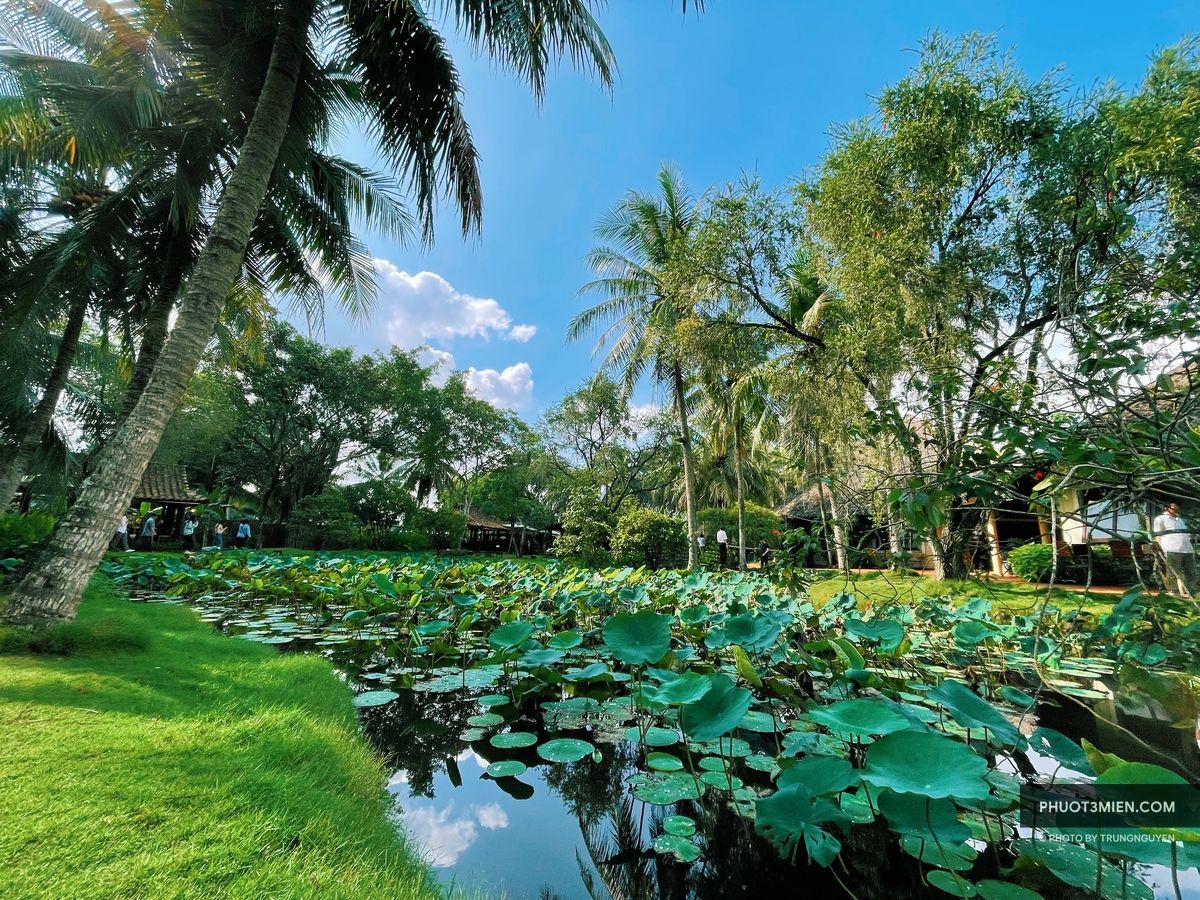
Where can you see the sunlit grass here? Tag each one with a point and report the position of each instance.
(157, 758)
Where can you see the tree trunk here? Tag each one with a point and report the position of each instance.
(840, 545)
(825, 530)
(18, 461)
(689, 476)
(54, 587)
(741, 505)
(157, 321)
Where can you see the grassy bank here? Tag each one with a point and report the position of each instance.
(157, 758)
(1012, 596)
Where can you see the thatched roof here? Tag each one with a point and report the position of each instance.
(167, 484)
(477, 519)
(806, 504)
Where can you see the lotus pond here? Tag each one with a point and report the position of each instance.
(561, 732)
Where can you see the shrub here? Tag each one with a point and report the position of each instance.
(587, 531)
(801, 547)
(647, 537)
(21, 534)
(762, 524)
(1031, 561)
(443, 528)
(323, 521)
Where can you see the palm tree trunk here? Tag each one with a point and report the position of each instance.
(54, 587)
(741, 505)
(689, 476)
(841, 545)
(154, 328)
(17, 463)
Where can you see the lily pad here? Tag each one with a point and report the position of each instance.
(952, 883)
(565, 750)
(680, 847)
(489, 700)
(512, 740)
(684, 826)
(485, 720)
(664, 762)
(655, 736)
(374, 698)
(665, 791)
(990, 889)
(506, 768)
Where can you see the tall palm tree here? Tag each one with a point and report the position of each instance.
(170, 133)
(398, 72)
(646, 239)
(736, 409)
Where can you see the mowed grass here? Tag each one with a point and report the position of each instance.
(157, 758)
(1013, 597)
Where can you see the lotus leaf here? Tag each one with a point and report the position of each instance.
(678, 846)
(665, 791)
(860, 718)
(686, 688)
(791, 815)
(485, 720)
(819, 775)
(717, 712)
(641, 638)
(654, 737)
(925, 763)
(664, 762)
(564, 750)
(565, 640)
(952, 883)
(887, 632)
(374, 698)
(511, 635)
(512, 740)
(507, 768)
(1078, 867)
(990, 889)
(972, 711)
(684, 826)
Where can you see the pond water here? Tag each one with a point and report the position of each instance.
(527, 769)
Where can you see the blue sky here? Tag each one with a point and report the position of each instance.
(750, 85)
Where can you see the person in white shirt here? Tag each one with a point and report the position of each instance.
(1175, 541)
(121, 538)
(722, 546)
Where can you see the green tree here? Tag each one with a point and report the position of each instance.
(647, 238)
(407, 85)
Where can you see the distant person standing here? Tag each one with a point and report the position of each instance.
(701, 540)
(722, 547)
(243, 534)
(121, 538)
(764, 555)
(149, 532)
(219, 536)
(1175, 541)
(189, 532)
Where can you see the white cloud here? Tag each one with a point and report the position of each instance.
(441, 361)
(442, 838)
(491, 816)
(425, 306)
(510, 389)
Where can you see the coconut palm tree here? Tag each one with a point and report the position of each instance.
(646, 239)
(168, 134)
(400, 80)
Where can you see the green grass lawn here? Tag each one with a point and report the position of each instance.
(158, 758)
(1014, 597)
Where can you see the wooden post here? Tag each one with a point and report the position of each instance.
(993, 533)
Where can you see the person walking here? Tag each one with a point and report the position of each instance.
(1175, 541)
(121, 538)
(243, 534)
(189, 532)
(764, 555)
(149, 532)
(722, 547)
(219, 536)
